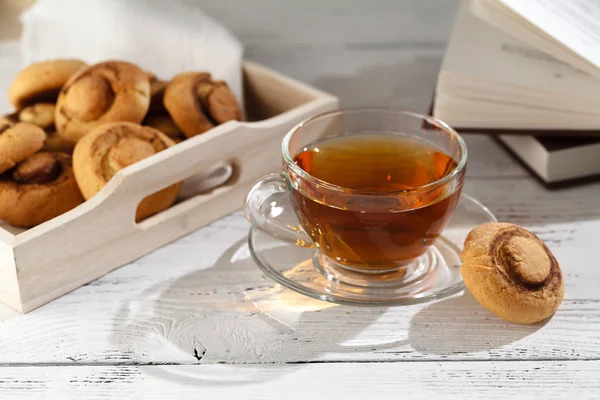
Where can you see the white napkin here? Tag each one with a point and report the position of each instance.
(165, 37)
(9, 68)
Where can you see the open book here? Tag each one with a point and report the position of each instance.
(523, 65)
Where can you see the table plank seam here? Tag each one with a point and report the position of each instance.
(415, 360)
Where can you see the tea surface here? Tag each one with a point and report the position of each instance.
(375, 162)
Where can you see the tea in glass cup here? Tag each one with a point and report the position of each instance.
(394, 224)
(372, 189)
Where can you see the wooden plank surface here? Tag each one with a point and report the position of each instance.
(419, 380)
(204, 295)
(218, 327)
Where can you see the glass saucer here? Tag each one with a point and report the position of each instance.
(434, 275)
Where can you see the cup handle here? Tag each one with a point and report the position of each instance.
(269, 208)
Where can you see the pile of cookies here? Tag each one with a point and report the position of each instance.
(76, 125)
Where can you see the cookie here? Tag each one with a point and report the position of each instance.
(9, 119)
(164, 123)
(218, 100)
(40, 114)
(111, 147)
(18, 141)
(41, 82)
(512, 273)
(57, 144)
(39, 189)
(157, 91)
(105, 92)
(197, 104)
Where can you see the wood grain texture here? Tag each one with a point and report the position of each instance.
(203, 297)
(489, 380)
(200, 301)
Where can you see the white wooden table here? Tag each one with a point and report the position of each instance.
(197, 319)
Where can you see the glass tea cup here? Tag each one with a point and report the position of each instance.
(376, 231)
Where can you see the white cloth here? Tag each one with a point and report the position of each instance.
(9, 68)
(165, 37)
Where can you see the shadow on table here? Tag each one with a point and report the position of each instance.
(231, 314)
(460, 325)
(250, 329)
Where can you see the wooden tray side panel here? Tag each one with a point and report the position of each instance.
(269, 94)
(100, 235)
(9, 287)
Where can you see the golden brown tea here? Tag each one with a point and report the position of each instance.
(385, 236)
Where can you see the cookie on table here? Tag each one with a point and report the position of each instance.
(512, 273)
(39, 189)
(105, 92)
(41, 82)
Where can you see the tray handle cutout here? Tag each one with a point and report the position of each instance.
(248, 148)
(205, 163)
(254, 146)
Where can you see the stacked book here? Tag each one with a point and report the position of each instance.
(527, 71)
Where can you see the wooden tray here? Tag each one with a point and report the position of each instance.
(51, 259)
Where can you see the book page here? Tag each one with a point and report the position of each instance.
(491, 79)
(498, 14)
(480, 51)
(464, 112)
(574, 23)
